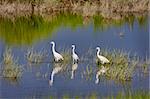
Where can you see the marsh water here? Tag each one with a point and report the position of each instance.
(130, 34)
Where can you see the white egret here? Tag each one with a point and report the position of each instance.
(100, 57)
(74, 67)
(56, 55)
(100, 72)
(74, 55)
(57, 68)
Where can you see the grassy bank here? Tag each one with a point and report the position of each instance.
(107, 8)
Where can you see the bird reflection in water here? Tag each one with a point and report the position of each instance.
(73, 69)
(102, 71)
(57, 68)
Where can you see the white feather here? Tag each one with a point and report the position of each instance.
(74, 55)
(101, 58)
(57, 56)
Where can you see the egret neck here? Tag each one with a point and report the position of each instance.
(73, 50)
(53, 48)
(98, 52)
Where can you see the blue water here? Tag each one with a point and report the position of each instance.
(135, 40)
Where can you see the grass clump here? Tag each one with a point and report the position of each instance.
(35, 57)
(66, 53)
(10, 67)
(121, 66)
(88, 73)
(133, 95)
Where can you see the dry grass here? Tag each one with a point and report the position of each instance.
(10, 67)
(36, 57)
(9, 8)
(121, 66)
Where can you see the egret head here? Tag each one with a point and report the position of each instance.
(73, 46)
(52, 42)
(98, 48)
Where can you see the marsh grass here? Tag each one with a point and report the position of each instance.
(120, 95)
(66, 52)
(88, 72)
(132, 95)
(121, 66)
(36, 57)
(10, 67)
(145, 66)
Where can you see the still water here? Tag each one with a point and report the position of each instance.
(129, 34)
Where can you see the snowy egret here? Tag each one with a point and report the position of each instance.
(56, 55)
(100, 57)
(74, 55)
(74, 67)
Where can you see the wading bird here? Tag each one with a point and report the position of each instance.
(74, 55)
(57, 56)
(100, 57)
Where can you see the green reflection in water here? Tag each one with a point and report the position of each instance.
(24, 30)
(29, 30)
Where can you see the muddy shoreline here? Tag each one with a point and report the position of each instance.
(111, 9)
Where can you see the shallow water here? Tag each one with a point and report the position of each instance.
(67, 29)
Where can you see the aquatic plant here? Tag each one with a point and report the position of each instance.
(8, 57)
(66, 53)
(88, 73)
(133, 95)
(145, 66)
(95, 95)
(121, 66)
(10, 67)
(36, 57)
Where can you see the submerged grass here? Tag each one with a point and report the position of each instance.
(10, 67)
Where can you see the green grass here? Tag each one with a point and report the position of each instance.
(32, 29)
(120, 95)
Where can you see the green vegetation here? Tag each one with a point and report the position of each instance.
(24, 30)
(29, 30)
(10, 67)
(121, 95)
(121, 66)
(135, 95)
